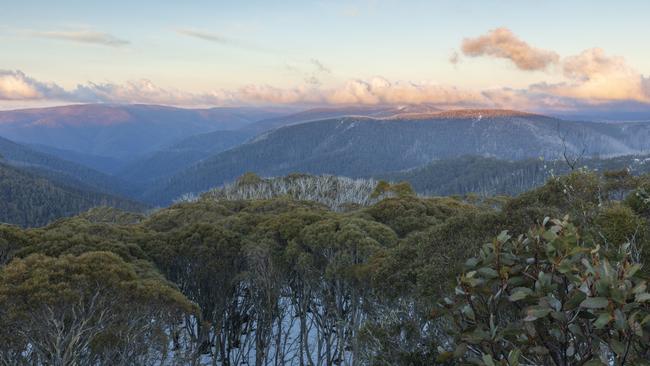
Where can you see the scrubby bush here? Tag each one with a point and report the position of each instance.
(549, 298)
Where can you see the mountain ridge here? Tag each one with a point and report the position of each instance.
(120, 131)
(364, 146)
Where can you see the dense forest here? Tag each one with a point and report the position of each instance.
(488, 176)
(28, 199)
(267, 272)
(59, 170)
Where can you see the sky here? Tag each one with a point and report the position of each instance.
(518, 54)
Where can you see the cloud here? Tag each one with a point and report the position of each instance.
(591, 77)
(82, 36)
(138, 91)
(265, 94)
(594, 75)
(503, 43)
(319, 66)
(15, 85)
(588, 87)
(206, 36)
(379, 90)
(454, 58)
(594, 63)
(223, 40)
(310, 71)
(312, 80)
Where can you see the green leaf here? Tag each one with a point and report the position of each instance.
(574, 300)
(641, 287)
(503, 236)
(565, 266)
(549, 235)
(471, 263)
(488, 272)
(633, 270)
(468, 312)
(487, 360)
(642, 297)
(554, 303)
(535, 312)
(513, 357)
(617, 346)
(645, 320)
(520, 293)
(619, 320)
(602, 320)
(516, 281)
(594, 303)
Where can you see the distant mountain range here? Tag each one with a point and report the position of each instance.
(316, 114)
(117, 139)
(364, 146)
(120, 132)
(155, 154)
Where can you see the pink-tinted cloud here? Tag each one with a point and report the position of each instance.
(503, 43)
(594, 75)
(591, 76)
(586, 85)
(593, 63)
(381, 91)
(15, 85)
(265, 94)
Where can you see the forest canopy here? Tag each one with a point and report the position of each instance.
(287, 279)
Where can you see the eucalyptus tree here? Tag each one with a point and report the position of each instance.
(88, 309)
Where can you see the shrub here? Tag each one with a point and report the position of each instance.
(548, 298)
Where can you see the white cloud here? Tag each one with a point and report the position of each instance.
(206, 36)
(319, 66)
(454, 58)
(81, 36)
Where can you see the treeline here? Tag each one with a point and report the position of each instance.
(283, 281)
(30, 200)
(490, 176)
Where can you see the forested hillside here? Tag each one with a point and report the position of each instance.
(257, 276)
(60, 170)
(171, 159)
(490, 176)
(361, 146)
(31, 200)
